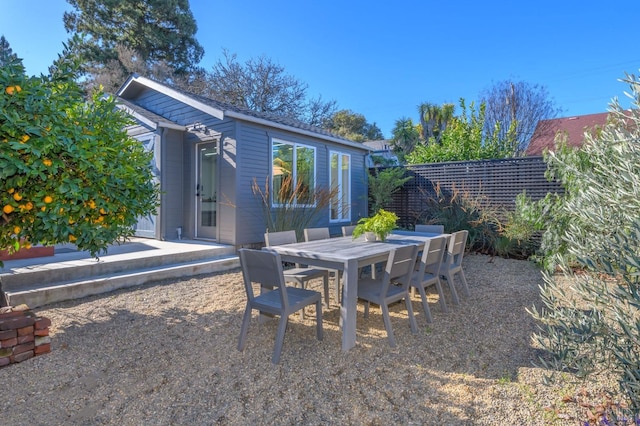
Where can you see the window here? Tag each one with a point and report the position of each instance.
(293, 173)
(339, 176)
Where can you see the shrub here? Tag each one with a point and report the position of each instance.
(383, 184)
(68, 170)
(595, 226)
(492, 230)
(291, 214)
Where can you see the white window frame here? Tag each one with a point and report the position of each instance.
(295, 146)
(341, 185)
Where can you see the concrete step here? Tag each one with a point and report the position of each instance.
(72, 274)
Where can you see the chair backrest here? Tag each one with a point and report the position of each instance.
(432, 255)
(399, 267)
(262, 267)
(456, 247)
(311, 234)
(436, 229)
(279, 238)
(347, 231)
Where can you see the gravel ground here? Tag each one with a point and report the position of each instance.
(165, 353)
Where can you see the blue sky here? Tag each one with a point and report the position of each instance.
(382, 60)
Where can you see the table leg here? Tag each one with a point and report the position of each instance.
(349, 307)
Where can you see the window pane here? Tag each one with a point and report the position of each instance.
(334, 179)
(282, 155)
(305, 166)
(345, 190)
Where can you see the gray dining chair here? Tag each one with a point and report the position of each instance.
(347, 230)
(265, 268)
(436, 229)
(314, 234)
(427, 273)
(391, 287)
(299, 274)
(452, 263)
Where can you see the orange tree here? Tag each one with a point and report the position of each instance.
(68, 170)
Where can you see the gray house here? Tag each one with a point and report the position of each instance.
(207, 154)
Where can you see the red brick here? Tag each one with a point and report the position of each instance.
(24, 331)
(42, 349)
(23, 348)
(12, 314)
(42, 323)
(8, 334)
(26, 339)
(43, 332)
(16, 323)
(8, 343)
(5, 361)
(22, 356)
(5, 352)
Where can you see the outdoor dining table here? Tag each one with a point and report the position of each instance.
(348, 255)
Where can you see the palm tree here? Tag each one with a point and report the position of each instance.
(434, 119)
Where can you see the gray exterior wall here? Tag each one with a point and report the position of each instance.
(172, 183)
(254, 161)
(244, 154)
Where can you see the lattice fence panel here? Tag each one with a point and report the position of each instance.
(494, 183)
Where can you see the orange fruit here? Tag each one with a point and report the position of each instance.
(27, 245)
(47, 199)
(102, 211)
(12, 89)
(24, 138)
(72, 237)
(47, 162)
(16, 229)
(29, 205)
(11, 190)
(8, 209)
(17, 196)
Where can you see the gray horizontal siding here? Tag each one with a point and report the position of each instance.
(254, 160)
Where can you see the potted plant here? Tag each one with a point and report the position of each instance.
(380, 224)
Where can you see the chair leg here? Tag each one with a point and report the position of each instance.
(443, 303)
(325, 282)
(465, 287)
(452, 287)
(319, 333)
(246, 319)
(412, 318)
(282, 327)
(387, 325)
(425, 305)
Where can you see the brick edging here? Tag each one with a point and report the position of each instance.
(23, 334)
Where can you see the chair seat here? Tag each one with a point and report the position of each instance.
(305, 273)
(298, 297)
(369, 289)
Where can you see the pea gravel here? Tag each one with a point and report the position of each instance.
(165, 354)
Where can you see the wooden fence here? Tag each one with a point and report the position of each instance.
(494, 183)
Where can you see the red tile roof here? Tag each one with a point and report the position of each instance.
(546, 131)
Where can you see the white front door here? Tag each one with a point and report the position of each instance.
(206, 190)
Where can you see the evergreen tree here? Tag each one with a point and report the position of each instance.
(118, 37)
(6, 54)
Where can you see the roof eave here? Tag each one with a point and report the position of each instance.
(215, 112)
(245, 117)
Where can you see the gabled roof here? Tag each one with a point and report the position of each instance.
(147, 117)
(222, 110)
(574, 127)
